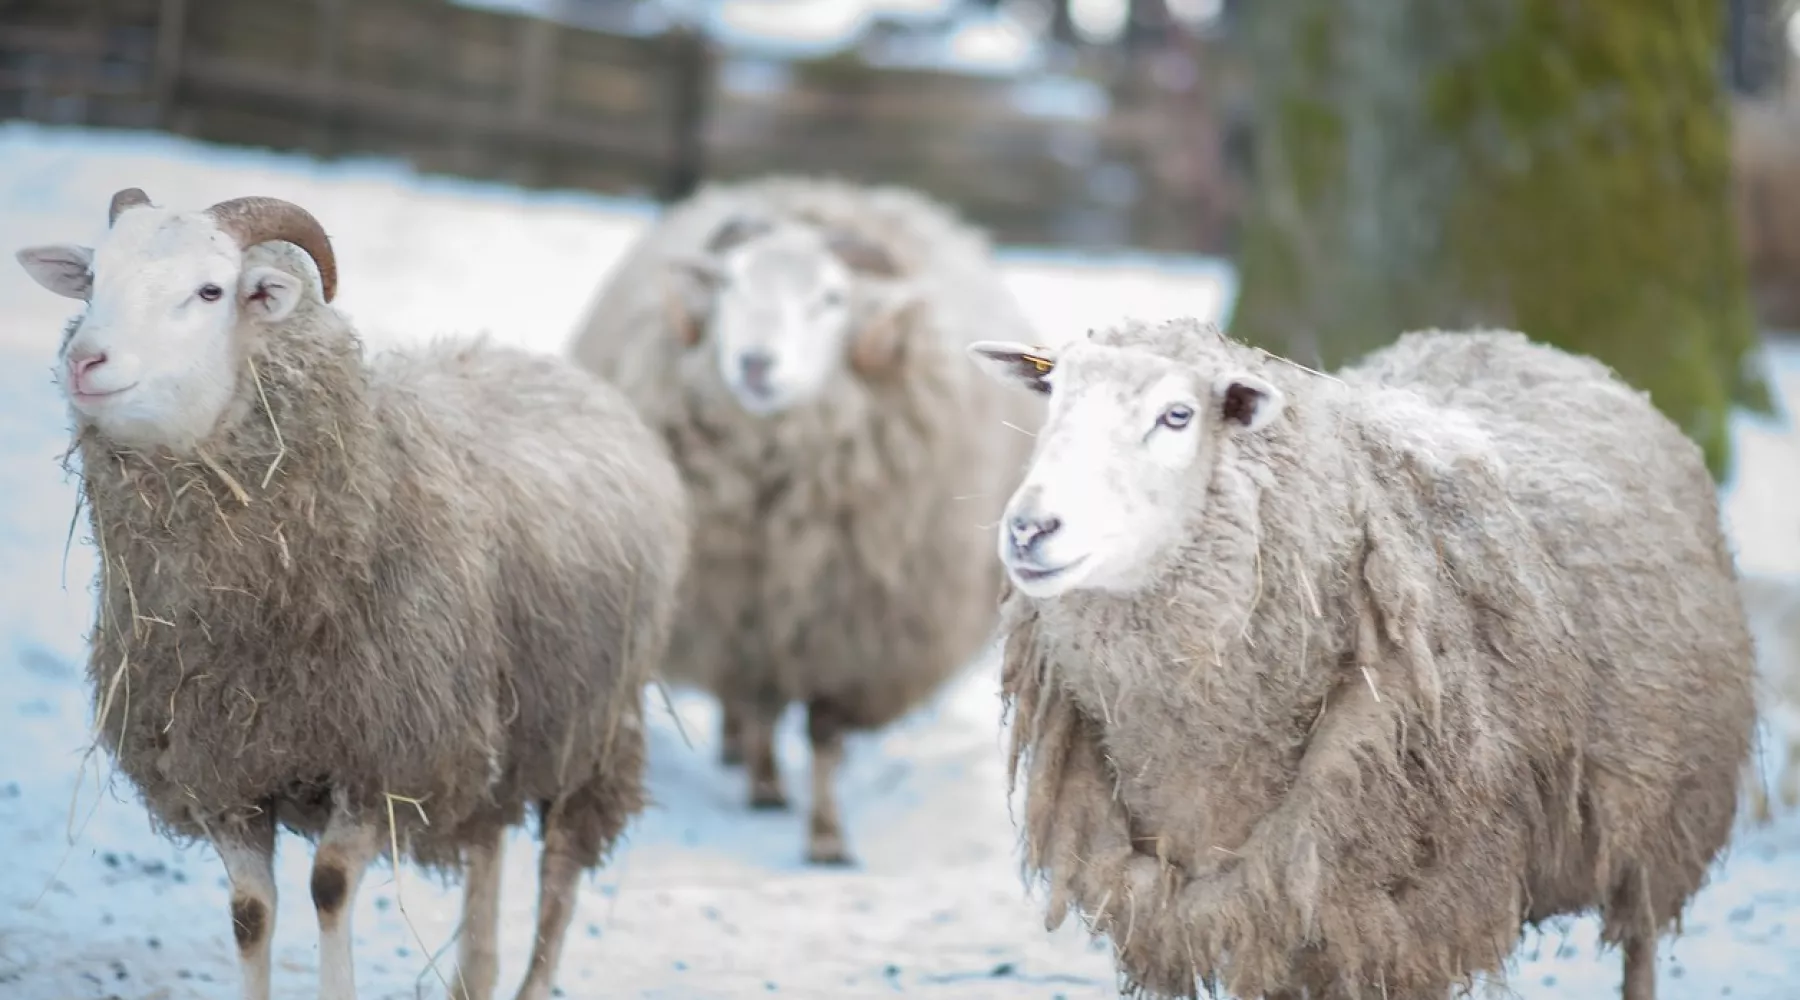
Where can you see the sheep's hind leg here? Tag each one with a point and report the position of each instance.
(825, 834)
(731, 733)
(1640, 969)
(477, 944)
(1789, 780)
(249, 857)
(349, 846)
(759, 750)
(1760, 813)
(559, 871)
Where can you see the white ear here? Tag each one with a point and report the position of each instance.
(1246, 402)
(1013, 363)
(64, 268)
(269, 294)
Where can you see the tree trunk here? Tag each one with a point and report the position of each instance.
(1557, 168)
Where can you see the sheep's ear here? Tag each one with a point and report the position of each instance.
(1247, 402)
(687, 296)
(1014, 363)
(888, 310)
(63, 268)
(861, 255)
(268, 294)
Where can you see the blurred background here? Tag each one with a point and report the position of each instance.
(1622, 179)
(1091, 123)
(1368, 168)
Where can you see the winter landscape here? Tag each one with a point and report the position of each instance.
(704, 899)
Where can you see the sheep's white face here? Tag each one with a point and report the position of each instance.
(153, 361)
(1126, 447)
(781, 319)
(784, 307)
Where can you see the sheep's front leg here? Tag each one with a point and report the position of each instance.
(759, 752)
(478, 946)
(249, 857)
(559, 870)
(825, 836)
(349, 846)
(1640, 970)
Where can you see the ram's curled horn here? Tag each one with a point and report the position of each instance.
(861, 254)
(258, 220)
(127, 198)
(736, 231)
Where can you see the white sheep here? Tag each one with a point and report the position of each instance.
(342, 595)
(799, 344)
(1335, 684)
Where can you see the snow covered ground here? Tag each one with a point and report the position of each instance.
(706, 899)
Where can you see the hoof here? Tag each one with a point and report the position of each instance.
(767, 800)
(829, 853)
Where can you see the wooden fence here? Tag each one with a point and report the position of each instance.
(486, 94)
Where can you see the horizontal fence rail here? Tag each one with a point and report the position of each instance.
(501, 96)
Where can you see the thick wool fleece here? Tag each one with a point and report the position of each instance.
(1451, 648)
(440, 576)
(842, 550)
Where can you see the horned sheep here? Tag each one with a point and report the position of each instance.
(397, 599)
(799, 343)
(1330, 686)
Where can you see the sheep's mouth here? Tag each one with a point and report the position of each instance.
(760, 399)
(90, 398)
(1038, 574)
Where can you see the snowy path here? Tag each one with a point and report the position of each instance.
(706, 899)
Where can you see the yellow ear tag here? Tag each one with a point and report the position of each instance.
(1043, 364)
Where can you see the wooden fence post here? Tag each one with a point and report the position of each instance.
(536, 55)
(690, 95)
(171, 26)
(328, 42)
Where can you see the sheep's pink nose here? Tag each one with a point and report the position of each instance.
(83, 362)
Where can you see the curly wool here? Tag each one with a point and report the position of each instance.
(1443, 655)
(438, 577)
(841, 549)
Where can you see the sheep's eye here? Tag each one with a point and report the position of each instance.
(1176, 417)
(832, 298)
(211, 293)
